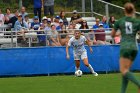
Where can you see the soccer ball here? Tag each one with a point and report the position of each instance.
(78, 73)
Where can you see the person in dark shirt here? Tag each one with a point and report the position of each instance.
(63, 17)
(84, 26)
(14, 19)
(37, 8)
(36, 24)
(76, 18)
(100, 36)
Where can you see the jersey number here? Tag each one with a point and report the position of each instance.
(128, 27)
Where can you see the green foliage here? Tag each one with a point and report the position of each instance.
(70, 5)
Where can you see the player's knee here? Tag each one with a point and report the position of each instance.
(139, 85)
(123, 72)
(87, 65)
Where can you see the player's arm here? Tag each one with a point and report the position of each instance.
(67, 48)
(89, 44)
(115, 31)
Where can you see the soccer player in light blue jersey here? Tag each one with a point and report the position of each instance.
(79, 51)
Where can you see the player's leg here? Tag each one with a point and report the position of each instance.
(139, 90)
(46, 10)
(77, 62)
(127, 57)
(85, 61)
(51, 10)
(125, 64)
(124, 67)
(77, 65)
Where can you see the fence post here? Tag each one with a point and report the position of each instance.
(107, 11)
(12, 38)
(83, 7)
(91, 7)
(20, 4)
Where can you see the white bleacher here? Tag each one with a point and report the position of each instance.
(90, 20)
(90, 24)
(31, 35)
(7, 40)
(1, 35)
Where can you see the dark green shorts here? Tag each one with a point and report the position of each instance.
(130, 54)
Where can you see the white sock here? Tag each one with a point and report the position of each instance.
(77, 68)
(91, 69)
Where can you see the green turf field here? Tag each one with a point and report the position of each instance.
(104, 83)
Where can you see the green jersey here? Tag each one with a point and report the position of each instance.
(128, 27)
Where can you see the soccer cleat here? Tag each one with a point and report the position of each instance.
(95, 74)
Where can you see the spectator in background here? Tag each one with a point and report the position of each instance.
(61, 26)
(2, 18)
(117, 38)
(75, 26)
(62, 33)
(35, 24)
(41, 37)
(76, 18)
(91, 37)
(100, 35)
(48, 27)
(26, 19)
(56, 21)
(104, 22)
(14, 18)
(21, 26)
(70, 30)
(54, 38)
(8, 15)
(48, 30)
(63, 17)
(44, 23)
(63, 38)
(96, 26)
(37, 8)
(84, 26)
(111, 21)
(48, 7)
(23, 12)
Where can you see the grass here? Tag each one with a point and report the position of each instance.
(104, 83)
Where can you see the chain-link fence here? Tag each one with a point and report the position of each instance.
(99, 7)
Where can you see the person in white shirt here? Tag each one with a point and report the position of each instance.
(79, 51)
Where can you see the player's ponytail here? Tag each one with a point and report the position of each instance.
(129, 8)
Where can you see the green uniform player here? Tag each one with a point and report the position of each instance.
(128, 27)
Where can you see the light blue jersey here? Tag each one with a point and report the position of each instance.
(78, 45)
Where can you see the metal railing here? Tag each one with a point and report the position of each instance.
(112, 5)
(11, 37)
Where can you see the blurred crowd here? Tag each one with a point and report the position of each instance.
(56, 30)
